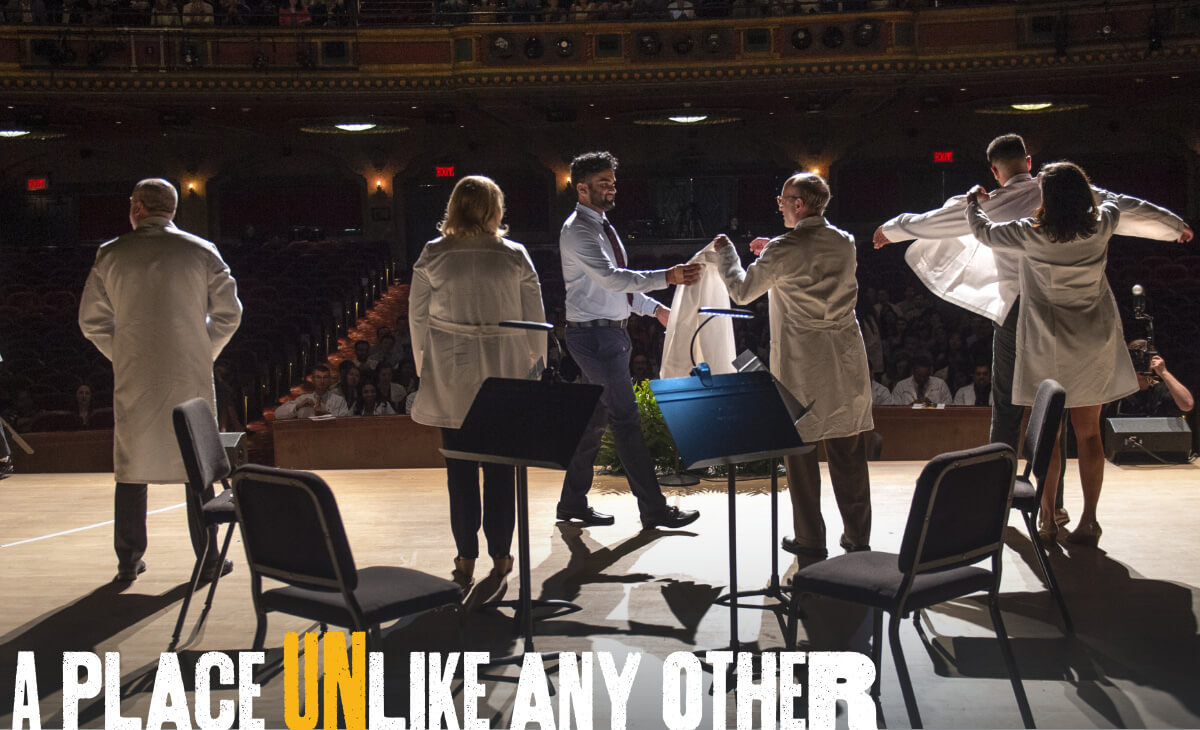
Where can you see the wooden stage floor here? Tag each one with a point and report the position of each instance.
(1135, 661)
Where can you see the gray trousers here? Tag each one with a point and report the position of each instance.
(851, 488)
(602, 354)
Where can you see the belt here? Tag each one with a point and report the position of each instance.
(600, 323)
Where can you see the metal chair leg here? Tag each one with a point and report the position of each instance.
(877, 648)
(187, 599)
(910, 700)
(1010, 661)
(212, 588)
(1047, 571)
(260, 633)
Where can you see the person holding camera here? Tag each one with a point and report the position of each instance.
(1159, 392)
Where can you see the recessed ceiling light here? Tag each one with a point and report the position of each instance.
(212, 108)
(355, 126)
(414, 106)
(11, 133)
(675, 120)
(1032, 106)
(689, 119)
(337, 126)
(607, 118)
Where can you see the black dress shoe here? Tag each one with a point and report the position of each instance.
(587, 516)
(670, 517)
(803, 551)
(851, 547)
(210, 571)
(129, 573)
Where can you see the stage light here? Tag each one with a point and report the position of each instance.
(801, 38)
(564, 47)
(355, 126)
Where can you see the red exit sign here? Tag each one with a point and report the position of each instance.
(944, 156)
(36, 183)
(444, 171)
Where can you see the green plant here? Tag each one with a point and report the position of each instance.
(658, 438)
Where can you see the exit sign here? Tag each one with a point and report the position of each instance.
(444, 171)
(36, 183)
(944, 156)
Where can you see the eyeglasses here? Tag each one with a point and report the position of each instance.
(779, 199)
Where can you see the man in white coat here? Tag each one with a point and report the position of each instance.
(957, 268)
(817, 352)
(161, 304)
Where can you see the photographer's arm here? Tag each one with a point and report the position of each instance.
(1179, 392)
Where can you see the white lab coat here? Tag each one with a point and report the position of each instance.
(936, 390)
(161, 304)
(965, 396)
(462, 288)
(955, 267)
(1068, 327)
(817, 349)
(715, 344)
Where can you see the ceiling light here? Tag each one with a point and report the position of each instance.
(1032, 107)
(337, 126)
(11, 133)
(694, 119)
(355, 126)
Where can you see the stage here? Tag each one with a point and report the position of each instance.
(1135, 661)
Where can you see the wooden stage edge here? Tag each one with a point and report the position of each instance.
(398, 442)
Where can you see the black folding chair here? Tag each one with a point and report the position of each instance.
(959, 510)
(205, 461)
(293, 533)
(1045, 420)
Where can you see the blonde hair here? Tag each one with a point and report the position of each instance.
(474, 203)
(812, 190)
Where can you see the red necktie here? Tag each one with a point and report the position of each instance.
(616, 247)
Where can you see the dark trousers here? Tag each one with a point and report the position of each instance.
(851, 488)
(129, 524)
(1006, 417)
(499, 511)
(602, 354)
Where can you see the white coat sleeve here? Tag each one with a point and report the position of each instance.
(532, 308)
(945, 222)
(1010, 235)
(746, 285)
(940, 393)
(1142, 219)
(645, 305)
(224, 308)
(287, 411)
(965, 396)
(418, 314)
(96, 318)
(336, 405)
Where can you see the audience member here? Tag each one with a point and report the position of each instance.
(165, 13)
(320, 402)
(83, 405)
(234, 12)
(370, 404)
(228, 414)
(349, 377)
(197, 12)
(362, 356)
(979, 391)
(1160, 394)
(921, 387)
(292, 13)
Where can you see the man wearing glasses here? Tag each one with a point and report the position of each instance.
(602, 291)
(817, 352)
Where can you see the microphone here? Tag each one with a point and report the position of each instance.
(1139, 300)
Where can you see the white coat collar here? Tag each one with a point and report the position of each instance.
(1023, 177)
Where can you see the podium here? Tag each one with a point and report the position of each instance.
(729, 420)
(526, 423)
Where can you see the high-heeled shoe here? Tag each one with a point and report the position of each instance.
(1086, 534)
(464, 573)
(493, 586)
(1047, 528)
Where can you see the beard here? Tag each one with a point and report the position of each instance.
(599, 201)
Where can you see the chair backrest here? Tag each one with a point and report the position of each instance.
(204, 457)
(292, 528)
(1045, 418)
(959, 509)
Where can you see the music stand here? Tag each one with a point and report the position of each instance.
(526, 423)
(729, 420)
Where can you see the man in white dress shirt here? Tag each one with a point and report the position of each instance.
(979, 391)
(957, 268)
(921, 387)
(320, 402)
(602, 292)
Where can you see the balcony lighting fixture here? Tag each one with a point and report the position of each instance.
(1032, 107)
(355, 126)
(13, 133)
(692, 119)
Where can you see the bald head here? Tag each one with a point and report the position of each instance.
(152, 197)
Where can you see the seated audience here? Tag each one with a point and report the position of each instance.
(384, 353)
(233, 12)
(349, 377)
(362, 356)
(321, 402)
(83, 405)
(880, 395)
(979, 391)
(681, 10)
(228, 417)
(369, 404)
(393, 394)
(1159, 395)
(921, 386)
(197, 12)
(26, 12)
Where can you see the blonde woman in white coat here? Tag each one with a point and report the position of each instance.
(1068, 328)
(464, 284)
